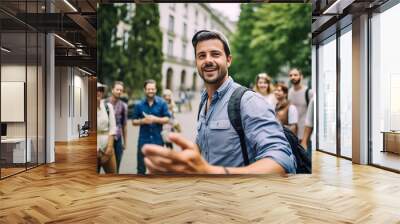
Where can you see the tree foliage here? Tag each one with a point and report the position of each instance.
(133, 60)
(108, 52)
(145, 47)
(270, 38)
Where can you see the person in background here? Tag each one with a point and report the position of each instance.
(106, 130)
(263, 86)
(285, 111)
(308, 128)
(150, 114)
(121, 118)
(167, 96)
(172, 125)
(299, 95)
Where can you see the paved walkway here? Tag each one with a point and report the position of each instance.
(187, 120)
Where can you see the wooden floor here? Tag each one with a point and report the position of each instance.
(70, 191)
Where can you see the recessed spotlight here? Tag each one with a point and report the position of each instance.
(5, 50)
(64, 40)
(70, 5)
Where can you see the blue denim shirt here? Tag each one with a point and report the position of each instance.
(219, 143)
(151, 133)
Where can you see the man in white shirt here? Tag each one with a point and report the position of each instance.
(309, 125)
(298, 96)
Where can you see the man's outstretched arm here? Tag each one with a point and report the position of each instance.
(189, 161)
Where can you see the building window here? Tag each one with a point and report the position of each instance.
(184, 30)
(169, 80)
(172, 6)
(385, 89)
(186, 10)
(183, 80)
(184, 51)
(170, 47)
(346, 94)
(171, 23)
(196, 16)
(327, 96)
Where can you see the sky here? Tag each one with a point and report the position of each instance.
(231, 10)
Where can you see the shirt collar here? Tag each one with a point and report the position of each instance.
(224, 87)
(111, 101)
(220, 92)
(156, 100)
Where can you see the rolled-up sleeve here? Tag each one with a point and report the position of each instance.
(112, 123)
(164, 110)
(264, 132)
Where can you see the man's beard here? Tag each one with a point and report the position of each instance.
(220, 75)
(295, 82)
(150, 97)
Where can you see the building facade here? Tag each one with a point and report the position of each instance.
(178, 23)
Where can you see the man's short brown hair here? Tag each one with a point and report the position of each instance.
(149, 81)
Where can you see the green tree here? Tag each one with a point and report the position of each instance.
(283, 35)
(109, 53)
(144, 50)
(271, 37)
(241, 68)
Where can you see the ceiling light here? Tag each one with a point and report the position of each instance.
(84, 71)
(70, 5)
(65, 41)
(5, 50)
(337, 7)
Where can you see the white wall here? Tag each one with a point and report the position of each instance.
(71, 96)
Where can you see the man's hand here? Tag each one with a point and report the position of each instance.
(148, 119)
(189, 161)
(304, 144)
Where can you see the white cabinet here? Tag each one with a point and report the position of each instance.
(18, 149)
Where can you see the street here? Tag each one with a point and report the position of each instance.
(186, 118)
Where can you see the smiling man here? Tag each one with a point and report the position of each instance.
(150, 114)
(218, 149)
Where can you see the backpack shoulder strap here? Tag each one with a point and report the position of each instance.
(235, 119)
(200, 105)
(307, 96)
(107, 108)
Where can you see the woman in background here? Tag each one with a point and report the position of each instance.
(106, 130)
(263, 86)
(285, 111)
(172, 125)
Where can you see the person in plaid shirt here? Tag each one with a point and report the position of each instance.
(121, 117)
